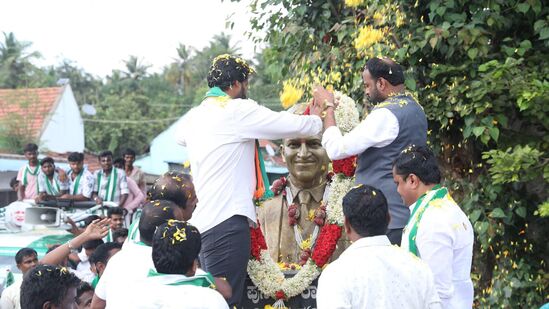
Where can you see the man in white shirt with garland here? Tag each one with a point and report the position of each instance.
(28, 174)
(372, 273)
(173, 282)
(221, 137)
(438, 231)
(109, 182)
(81, 180)
(49, 184)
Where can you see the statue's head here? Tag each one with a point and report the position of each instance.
(307, 160)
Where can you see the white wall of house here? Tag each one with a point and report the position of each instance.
(65, 131)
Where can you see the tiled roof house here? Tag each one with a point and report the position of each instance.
(47, 115)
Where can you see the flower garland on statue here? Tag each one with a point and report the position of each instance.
(317, 250)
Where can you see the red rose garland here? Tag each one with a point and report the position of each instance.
(345, 166)
(326, 244)
(258, 242)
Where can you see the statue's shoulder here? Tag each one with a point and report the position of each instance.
(271, 202)
(274, 203)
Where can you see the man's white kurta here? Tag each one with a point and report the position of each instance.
(444, 241)
(372, 273)
(220, 138)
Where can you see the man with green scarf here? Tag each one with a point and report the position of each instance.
(221, 138)
(438, 231)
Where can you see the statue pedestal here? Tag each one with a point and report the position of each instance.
(254, 299)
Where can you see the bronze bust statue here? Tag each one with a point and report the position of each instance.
(308, 165)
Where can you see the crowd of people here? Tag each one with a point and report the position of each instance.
(410, 243)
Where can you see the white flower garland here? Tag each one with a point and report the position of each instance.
(346, 113)
(334, 208)
(268, 278)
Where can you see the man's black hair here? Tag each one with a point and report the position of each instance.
(30, 147)
(118, 161)
(92, 244)
(175, 247)
(13, 182)
(46, 283)
(47, 160)
(172, 186)
(226, 69)
(366, 210)
(420, 161)
(102, 252)
(90, 219)
(154, 214)
(76, 157)
(115, 211)
(23, 252)
(105, 153)
(386, 68)
(82, 288)
(121, 232)
(129, 152)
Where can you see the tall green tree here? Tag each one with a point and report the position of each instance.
(16, 68)
(478, 70)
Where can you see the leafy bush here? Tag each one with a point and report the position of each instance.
(479, 69)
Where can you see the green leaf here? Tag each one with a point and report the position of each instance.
(521, 211)
(494, 133)
(433, 42)
(477, 131)
(523, 7)
(472, 53)
(497, 213)
(469, 121)
(475, 215)
(410, 83)
(544, 34)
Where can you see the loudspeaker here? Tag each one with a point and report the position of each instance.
(47, 216)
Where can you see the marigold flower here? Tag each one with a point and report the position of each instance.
(367, 37)
(290, 94)
(353, 3)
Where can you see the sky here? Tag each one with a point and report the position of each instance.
(99, 34)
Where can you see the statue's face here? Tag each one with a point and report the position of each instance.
(307, 160)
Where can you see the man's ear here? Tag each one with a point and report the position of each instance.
(413, 180)
(346, 226)
(48, 305)
(381, 84)
(195, 265)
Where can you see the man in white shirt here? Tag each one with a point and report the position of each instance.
(220, 135)
(438, 231)
(396, 121)
(25, 259)
(81, 180)
(173, 282)
(372, 273)
(109, 182)
(134, 261)
(49, 184)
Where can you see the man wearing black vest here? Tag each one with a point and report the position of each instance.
(396, 121)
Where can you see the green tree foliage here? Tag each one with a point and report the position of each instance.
(16, 68)
(478, 68)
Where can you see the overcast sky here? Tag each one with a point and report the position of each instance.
(99, 34)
